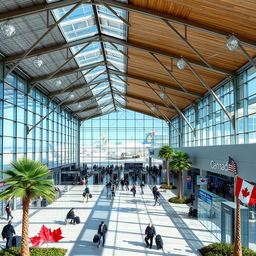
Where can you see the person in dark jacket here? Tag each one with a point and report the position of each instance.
(71, 215)
(86, 194)
(7, 233)
(154, 191)
(149, 235)
(102, 230)
(157, 196)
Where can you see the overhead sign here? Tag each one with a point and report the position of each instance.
(205, 197)
(188, 178)
(219, 166)
(201, 180)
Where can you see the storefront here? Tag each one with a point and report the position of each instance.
(212, 164)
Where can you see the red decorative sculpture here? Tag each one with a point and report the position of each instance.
(46, 235)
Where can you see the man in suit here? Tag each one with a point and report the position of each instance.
(149, 235)
(7, 233)
(102, 230)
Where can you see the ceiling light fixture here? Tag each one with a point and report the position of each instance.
(72, 96)
(162, 95)
(7, 29)
(181, 64)
(232, 43)
(153, 108)
(58, 83)
(79, 105)
(38, 62)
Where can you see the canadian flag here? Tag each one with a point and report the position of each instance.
(245, 192)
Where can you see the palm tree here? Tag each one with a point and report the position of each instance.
(27, 179)
(238, 243)
(180, 162)
(166, 153)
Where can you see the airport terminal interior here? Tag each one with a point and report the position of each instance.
(97, 90)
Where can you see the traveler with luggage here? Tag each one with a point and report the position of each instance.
(8, 210)
(149, 235)
(86, 194)
(7, 233)
(102, 230)
(71, 216)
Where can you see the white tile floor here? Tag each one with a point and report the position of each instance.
(127, 218)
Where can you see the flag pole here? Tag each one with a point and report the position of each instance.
(237, 245)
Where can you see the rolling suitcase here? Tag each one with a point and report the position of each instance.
(96, 238)
(159, 242)
(77, 220)
(16, 241)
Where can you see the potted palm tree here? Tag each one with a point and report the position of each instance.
(166, 153)
(180, 161)
(28, 179)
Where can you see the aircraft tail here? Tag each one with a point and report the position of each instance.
(149, 140)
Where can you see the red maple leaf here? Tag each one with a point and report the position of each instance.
(46, 235)
(56, 235)
(36, 241)
(245, 192)
(202, 180)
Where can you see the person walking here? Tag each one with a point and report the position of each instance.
(86, 194)
(102, 230)
(149, 235)
(154, 191)
(8, 210)
(157, 197)
(122, 184)
(108, 187)
(113, 190)
(133, 190)
(127, 185)
(142, 186)
(7, 233)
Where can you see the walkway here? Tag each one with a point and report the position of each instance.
(127, 218)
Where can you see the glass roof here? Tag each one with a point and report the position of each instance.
(82, 24)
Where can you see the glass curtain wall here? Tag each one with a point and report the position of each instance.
(52, 142)
(212, 125)
(120, 138)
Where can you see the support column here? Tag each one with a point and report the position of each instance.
(235, 87)
(78, 143)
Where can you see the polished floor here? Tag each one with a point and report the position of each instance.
(127, 218)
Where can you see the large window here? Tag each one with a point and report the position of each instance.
(52, 142)
(121, 137)
(213, 127)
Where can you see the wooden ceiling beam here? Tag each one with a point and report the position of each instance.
(112, 40)
(149, 101)
(165, 54)
(190, 93)
(181, 21)
(142, 112)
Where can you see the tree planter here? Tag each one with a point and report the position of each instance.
(34, 251)
(175, 200)
(223, 250)
(164, 186)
